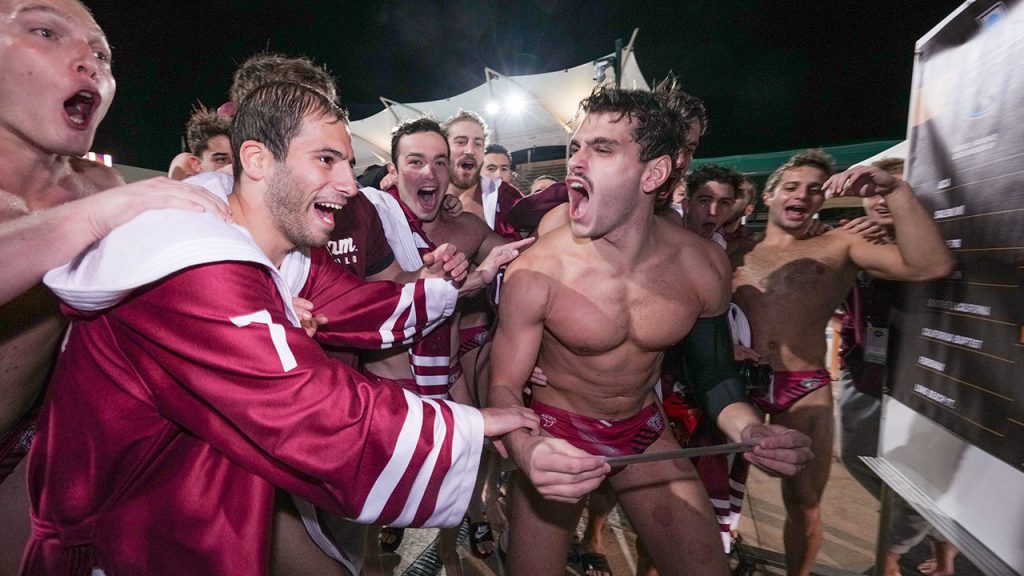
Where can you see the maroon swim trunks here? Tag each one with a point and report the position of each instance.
(472, 338)
(603, 437)
(788, 387)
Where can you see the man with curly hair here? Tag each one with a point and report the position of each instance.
(789, 285)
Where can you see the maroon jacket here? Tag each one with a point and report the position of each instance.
(174, 413)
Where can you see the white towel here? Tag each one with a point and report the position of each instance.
(403, 242)
(158, 243)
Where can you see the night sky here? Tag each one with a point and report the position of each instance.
(774, 74)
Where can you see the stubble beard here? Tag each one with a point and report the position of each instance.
(287, 211)
(463, 182)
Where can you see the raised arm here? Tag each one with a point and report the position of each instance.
(920, 253)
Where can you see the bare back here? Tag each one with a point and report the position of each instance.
(789, 293)
(605, 327)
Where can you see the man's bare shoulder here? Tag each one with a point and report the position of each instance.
(467, 231)
(691, 249)
(95, 177)
(546, 250)
(832, 247)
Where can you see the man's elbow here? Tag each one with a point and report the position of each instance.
(934, 271)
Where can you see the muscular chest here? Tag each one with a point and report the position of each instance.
(785, 269)
(806, 278)
(591, 314)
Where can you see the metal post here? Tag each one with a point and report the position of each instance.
(618, 63)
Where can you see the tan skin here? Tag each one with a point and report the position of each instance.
(422, 179)
(738, 420)
(52, 204)
(467, 142)
(30, 328)
(593, 305)
(789, 287)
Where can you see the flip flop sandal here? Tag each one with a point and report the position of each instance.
(594, 562)
(480, 532)
(396, 535)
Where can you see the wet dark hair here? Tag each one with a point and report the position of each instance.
(410, 127)
(498, 149)
(657, 128)
(203, 125)
(270, 67)
(272, 114)
(713, 173)
(690, 107)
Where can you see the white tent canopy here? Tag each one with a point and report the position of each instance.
(522, 111)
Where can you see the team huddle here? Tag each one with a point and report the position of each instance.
(240, 368)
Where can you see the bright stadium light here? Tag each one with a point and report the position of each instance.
(515, 103)
(493, 107)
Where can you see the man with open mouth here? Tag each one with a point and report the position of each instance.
(595, 304)
(56, 87)
(432, 368)
(192, 370)
(710, 195)
(490, 198)
(789, 286)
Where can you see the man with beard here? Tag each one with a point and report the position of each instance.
(56, 87)
(789, 287)
(490, 199)
(190, 369)
(595, 304)
(467, 138)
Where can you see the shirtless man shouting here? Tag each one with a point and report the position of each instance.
(789, 287)
(594, 305)
(55, 87)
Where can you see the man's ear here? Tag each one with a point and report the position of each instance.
(392, 171)
(255, 159)
(766, 197)
(656, 173)
(195, 165)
